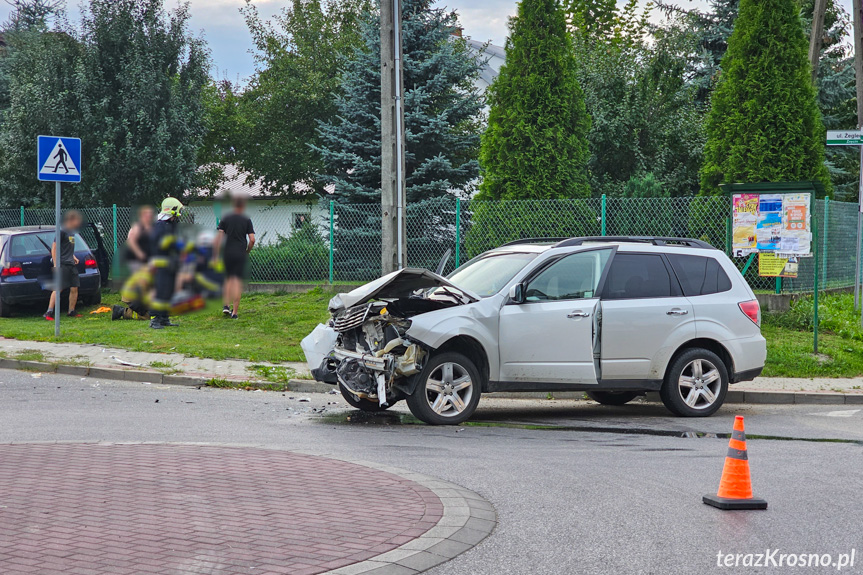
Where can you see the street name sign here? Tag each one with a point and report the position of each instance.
(845, 137)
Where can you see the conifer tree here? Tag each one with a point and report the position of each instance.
(764, 124)
(535, 146)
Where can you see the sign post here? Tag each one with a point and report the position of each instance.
(853, 138)
(58, 160)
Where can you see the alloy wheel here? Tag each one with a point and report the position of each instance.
(699, 384)
(449, 389)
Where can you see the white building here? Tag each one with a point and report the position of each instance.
(271, 216)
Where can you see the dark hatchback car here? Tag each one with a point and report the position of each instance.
(26, 269)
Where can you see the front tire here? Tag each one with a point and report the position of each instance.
(361, 403)
(4, 309)
(696, 384)
(612, 397)
(448, 390)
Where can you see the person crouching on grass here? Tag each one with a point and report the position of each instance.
(238, 235)
(68, 271)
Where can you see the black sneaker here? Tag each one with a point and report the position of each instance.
(226, 311)
(234, 316)
(49, 315)
(73, 313)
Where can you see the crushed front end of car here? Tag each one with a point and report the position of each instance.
(365, 348)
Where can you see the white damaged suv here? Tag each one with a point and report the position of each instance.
(612, 316)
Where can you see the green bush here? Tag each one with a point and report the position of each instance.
(304, 256)
(494, 223)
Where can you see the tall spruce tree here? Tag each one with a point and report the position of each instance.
(442, 105)
(764, 124)
(535, 146)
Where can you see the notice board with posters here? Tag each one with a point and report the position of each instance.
(775, 223)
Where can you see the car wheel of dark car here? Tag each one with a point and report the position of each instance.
(448, 390)
(94, 299)
(696, 384)
(612, 397)
(5, 311)
(361, 403)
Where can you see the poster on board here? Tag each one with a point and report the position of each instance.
(778, 224)
(772, 266)
(744, 222)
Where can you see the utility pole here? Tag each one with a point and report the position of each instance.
(816, 36)
(393, 234)
(857, 18)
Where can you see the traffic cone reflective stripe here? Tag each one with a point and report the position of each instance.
(735, 487)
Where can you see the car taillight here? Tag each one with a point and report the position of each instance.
(752, 310)
(90, 263)
(12, 270)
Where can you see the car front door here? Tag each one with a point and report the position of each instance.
(645, 317)
(551, 336)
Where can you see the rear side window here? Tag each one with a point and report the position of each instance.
(699, 275)
(634, 276)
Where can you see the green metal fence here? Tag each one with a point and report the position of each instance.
(333, 242)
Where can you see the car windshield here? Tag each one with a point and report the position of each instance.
(487, 274)
(38, 245)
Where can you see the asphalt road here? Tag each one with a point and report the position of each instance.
(607, 490)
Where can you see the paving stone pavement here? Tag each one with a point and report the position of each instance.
(82, 508)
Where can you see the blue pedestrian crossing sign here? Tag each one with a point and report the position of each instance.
(59, 159)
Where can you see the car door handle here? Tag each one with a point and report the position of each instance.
(676, 311)
(578, 313)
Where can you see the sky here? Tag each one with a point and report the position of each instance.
(221, 24)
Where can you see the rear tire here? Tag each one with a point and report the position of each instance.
(4, 309)
(448, 390)
(92, 300)
(696, 384)
(612, 397)
(360, 403)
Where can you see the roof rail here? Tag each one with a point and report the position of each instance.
(535, 241)
(653, 240)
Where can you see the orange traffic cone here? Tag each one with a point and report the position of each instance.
(735, 488)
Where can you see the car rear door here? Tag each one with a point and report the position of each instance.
(645, 317)
(551, 337)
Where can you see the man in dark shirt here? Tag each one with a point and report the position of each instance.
(69, 277)
(234, 230)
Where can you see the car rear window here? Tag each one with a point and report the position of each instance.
(634, 276)
(699, 275)
(38, 245)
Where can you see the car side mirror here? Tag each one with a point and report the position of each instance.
(516, 293)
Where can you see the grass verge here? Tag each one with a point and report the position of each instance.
(269, 329)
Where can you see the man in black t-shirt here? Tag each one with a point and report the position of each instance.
(68, 264)
(238, 236)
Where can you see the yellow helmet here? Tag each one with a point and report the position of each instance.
(171, 207)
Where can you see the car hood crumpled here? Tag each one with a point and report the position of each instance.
(401, 283)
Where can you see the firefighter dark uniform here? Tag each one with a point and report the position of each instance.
(165, 259)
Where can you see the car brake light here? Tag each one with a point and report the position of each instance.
(13, 270)
(752, 310)
(90, 263)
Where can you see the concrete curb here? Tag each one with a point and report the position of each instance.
(467, 519)
(309, 386)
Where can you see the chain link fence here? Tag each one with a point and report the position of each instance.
(341, 243)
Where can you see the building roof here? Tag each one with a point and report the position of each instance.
(238, 182)
(493, 58)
